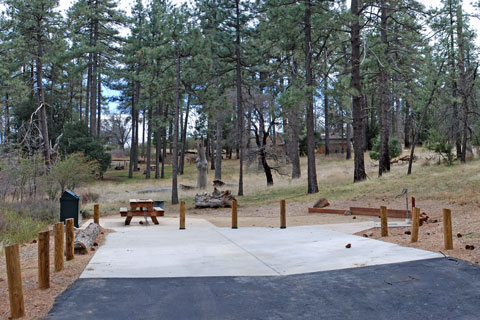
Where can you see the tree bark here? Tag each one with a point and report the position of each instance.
(93, 94)
(407, 125)
(176, 128)
(41, 100)
(184, 136)
(312, 171)
(131, 165)
(202, 166)
(238, 70)
(99, 105)
(149, 142)
(359, 164)
(463, 84)
(326, 113)
(384, 160)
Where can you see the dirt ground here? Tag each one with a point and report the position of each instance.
(39, 302)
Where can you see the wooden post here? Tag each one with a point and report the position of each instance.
(384, 221)
(415, 224)
(96, 213)
(59, 247)
(69, 250)
(447, 229)
(44, 260)
(14, 275)
(182, 215)
(234, 215)
(283, 214)
(413, 202)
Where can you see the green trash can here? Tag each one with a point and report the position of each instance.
(70, 204)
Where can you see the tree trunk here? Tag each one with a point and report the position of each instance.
(93, 94)
(41, 101)
(202, 166)
(407, 125)
(326, 113)
(131, 165)
(164, 144)
(157, 140)
(149, 142)
(219, 135)
(453, 76)
(239, 95)
(176, 129)
(359, 170)
(99, 105)
(184, 136)
(384, 160)
(463, 85)
(312, 171)
(348, 138)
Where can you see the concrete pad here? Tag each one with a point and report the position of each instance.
(203, 250)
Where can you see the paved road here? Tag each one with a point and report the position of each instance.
(424, 289)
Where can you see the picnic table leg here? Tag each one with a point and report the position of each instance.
(127, 220)
(154, 219)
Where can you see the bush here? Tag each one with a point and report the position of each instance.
(394, 149)
(68, 173)
(16, 228)
(444, 150)
(76, 138)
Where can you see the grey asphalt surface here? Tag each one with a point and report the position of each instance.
(425, 289)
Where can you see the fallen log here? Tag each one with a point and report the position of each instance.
(84, 238)
(217, 199)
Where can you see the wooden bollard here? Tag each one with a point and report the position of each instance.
(44, 260)
(69, 236)
(14, 275)
(413, 202)
(182, 215)
(96, 213)
(59, 246)
(283, 214)
(415, 224)
(234, 215)
(447, 229)
(384, 221)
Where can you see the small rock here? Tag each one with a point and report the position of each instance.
(1, 280)
(354, 217)
(92, 249)
(347, 213)
(369, 233)
(434, 221)
(102, 232)
(365, 235)
(34, 241)
(95, 244)
(141, 222)
(459, 235)
(348, 246)
(428, 233)
(469, 247)
(408, 232)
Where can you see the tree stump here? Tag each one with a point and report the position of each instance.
(202, 166)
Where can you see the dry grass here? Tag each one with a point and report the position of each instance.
(458, 184)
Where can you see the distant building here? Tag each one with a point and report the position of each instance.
(338, 144)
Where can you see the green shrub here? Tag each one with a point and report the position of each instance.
(394, 148)
(16, 228)
(444, 150)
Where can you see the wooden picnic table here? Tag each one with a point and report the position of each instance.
(141, 208)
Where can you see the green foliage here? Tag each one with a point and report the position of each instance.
(394, 148)
(16, 228)
(76, 138)
(69, 172)
(440, 145)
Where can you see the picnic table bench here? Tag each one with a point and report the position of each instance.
(141, 208)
